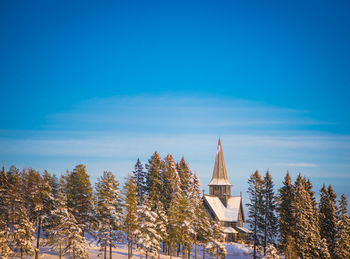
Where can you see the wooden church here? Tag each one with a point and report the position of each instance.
(221, 206)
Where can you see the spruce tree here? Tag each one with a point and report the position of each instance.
(255, 208)
(5, 236)
(63, 232)
(153, 178)
(286, 218)
(130, 212)
(196, 208)
(109, 209)
(185, 175)
(170, 181)
(139, 177)
(270, 223)
(23, 233)
(79, 198)
(342, 236)
(328, 217)
(308, 241)
(147, 235)
(215, 245)
(38, 199)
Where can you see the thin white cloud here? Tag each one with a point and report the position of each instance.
(297, 164)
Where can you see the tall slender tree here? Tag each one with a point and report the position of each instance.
(328, 217)
(270, 224)
(255, 209)
(286, 218)
(79, 197)
(108, 211)
(139, 177)
(185, 175)
(308, 241)
(130, 212)
(342, 236)
(153, 178)
(63, 232)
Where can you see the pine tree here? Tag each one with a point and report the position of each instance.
(270, 224)
(109, 209)
(5, 249)
(79, 198)
(23, 233)
(63, 232)
(185, 175)
(148, 237)
(38, 199)
(170, 182)
(255, 208)
(307, 235)
(130, 213)
(342, 236)
(76, 244)
(153, 178)
(139, 177)
(161, 223)
(328, 217)
(215, 245)
(286, 219)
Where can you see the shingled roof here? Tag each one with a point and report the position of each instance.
(219, 172)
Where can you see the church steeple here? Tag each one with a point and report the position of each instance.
(219, 173)
(220, 185)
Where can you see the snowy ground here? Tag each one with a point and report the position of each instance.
(234, 251)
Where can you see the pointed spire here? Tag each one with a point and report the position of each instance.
(219, 172)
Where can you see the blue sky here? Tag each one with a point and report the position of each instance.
(105, 82)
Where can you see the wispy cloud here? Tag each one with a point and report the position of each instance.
(297, 164)
(174, 113)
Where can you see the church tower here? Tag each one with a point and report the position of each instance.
(219, 185)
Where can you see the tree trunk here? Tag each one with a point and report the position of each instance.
(195, 248)
(60, 245)
(105, 250)
(21, 253)
(38, 239)
(203, 251)
(110, 249)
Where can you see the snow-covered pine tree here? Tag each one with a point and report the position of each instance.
(176, 205)
(148, 237)
(76, 243)
(286, 218)
(185, 175)
(23, 233)
(130, 212)
(38, 198)
(270, 224)
(63, 232)
(255, 208)
(170, 181)
(328, 217)
(308, 242)
(153, 177)
(5, 198)
(108, 212)
(161, 223)
(80, 199)
(4, 207)
(215, 246)
(139, 177)
(195, 207)
(5, 249)
(342, 236)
